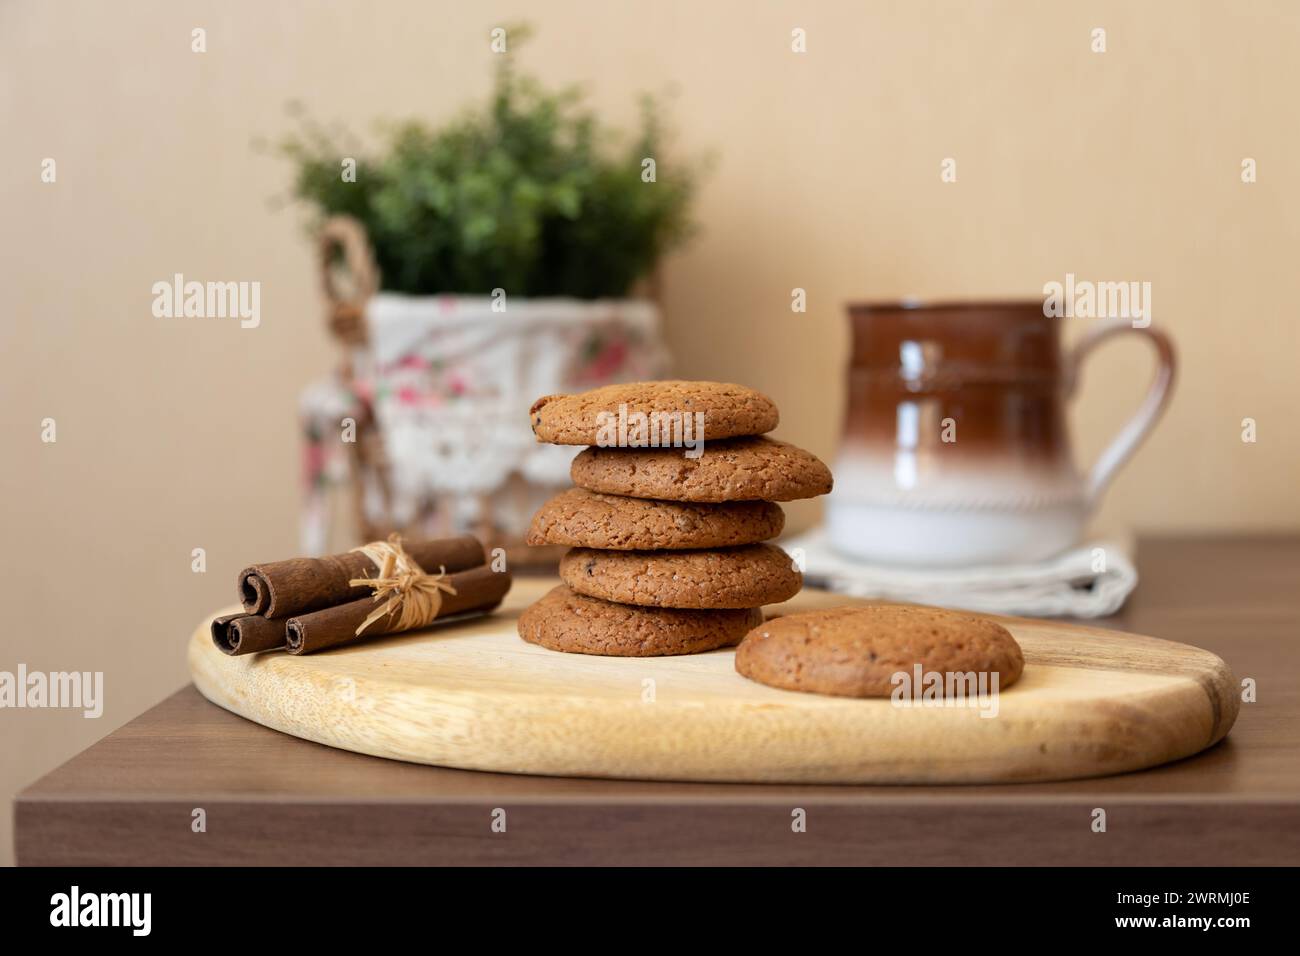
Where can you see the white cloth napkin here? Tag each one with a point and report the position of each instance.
(1093, 580)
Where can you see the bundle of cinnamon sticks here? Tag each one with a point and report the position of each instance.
(304, 605)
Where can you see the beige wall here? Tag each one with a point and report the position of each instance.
(171, 436)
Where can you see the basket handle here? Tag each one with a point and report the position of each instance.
(345, 313)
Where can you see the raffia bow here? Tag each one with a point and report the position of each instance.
(413, 594)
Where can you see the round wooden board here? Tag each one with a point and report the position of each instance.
(473, 695)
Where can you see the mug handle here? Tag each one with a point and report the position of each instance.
(1135, 430)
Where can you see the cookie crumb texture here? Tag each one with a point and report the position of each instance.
(576, 624)
(582, 518)
(855, 651)
(729, 410)
(729, 578)
(742, 469)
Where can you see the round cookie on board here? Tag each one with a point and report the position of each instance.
(726, 410)
(738, 469)
(749, 576)
(577, 624)
(588, 519)
(857, 651)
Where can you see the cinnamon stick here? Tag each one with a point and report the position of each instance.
(477, 590)
(236, 634)
(283, 589)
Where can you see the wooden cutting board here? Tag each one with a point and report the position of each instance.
(473, 695)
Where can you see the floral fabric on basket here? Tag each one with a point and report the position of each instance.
(449, 381)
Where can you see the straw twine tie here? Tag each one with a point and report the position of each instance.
(413, 595)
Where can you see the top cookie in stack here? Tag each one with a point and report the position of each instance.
(674, 498)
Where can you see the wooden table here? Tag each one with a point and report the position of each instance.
(273, 799)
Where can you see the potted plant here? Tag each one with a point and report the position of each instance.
(491, 260)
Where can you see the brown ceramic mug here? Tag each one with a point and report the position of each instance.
(955, 447)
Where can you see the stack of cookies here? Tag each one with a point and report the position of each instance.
(665, 528)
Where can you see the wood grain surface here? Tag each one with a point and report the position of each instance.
(474, 696)
(273, 799)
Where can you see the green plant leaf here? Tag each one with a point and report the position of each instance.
(530, 194)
